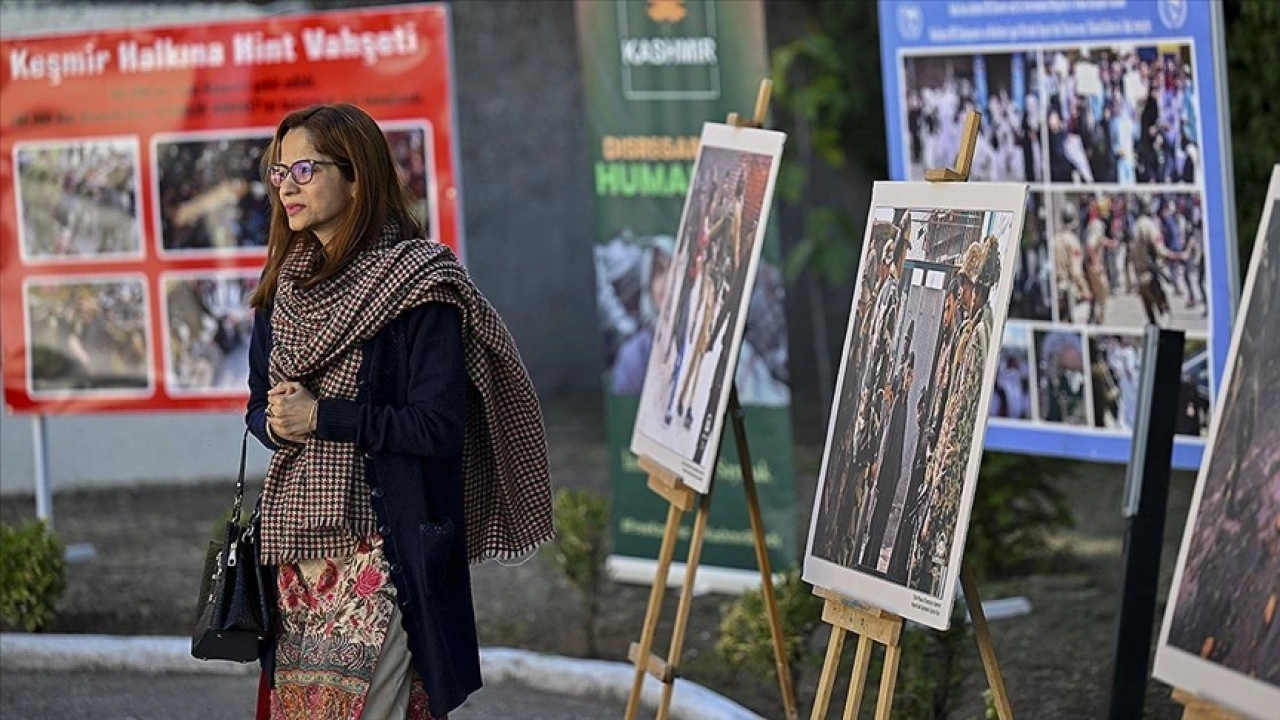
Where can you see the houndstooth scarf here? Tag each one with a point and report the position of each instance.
(314, 501)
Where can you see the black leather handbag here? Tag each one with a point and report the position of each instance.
(235, 611)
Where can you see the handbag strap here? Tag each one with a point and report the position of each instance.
(239, 501)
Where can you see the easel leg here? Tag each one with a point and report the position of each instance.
(665, 554)
(888, 681)
(858, 678)
(828, 680)
(686, 600)
(985, 648)
(762, 556)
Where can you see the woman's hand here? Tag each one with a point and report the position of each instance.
(291, 411)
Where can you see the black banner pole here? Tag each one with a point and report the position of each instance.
(1145, 501)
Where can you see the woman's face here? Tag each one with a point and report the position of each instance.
(319, 205)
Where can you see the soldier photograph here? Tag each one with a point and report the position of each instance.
(910, 394)
(699, 330)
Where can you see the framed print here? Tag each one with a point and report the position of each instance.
(911, 402)
(709, 287)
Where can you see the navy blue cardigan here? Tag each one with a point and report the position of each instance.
(408, 420)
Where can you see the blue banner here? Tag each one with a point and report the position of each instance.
(1114, 113)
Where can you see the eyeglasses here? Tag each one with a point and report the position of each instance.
(302, 171)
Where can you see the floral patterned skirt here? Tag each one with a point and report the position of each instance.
(336, 620)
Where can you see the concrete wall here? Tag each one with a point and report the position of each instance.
(526, 190)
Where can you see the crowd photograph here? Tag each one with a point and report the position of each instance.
(209, 324)
(1122, 115)
(78, 200)
(1130, 259)
(210, 193)
(1061, 377)
(1115, 367)
(1012, 397)
(1004, 88)
(1032, 297)
(88, 336)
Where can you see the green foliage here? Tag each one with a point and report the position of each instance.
(831, 78)
(930, 674)
(1015, 509)
(745, 638)
(31, 574)
(581, 546)
(1253, 53)
(828, 81)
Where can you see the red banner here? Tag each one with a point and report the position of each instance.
(133, 220)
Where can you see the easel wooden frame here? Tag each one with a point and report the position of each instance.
(873, 625)
(680, 499)
(1195, 708)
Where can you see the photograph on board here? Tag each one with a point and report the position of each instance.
(1122, 115)
(78, 200)
(1060, 374)
(210, 195)
(1130, 259)
(1115, 369)
(1011, 399)
(942, 89)
(1221, 635)
(87, 336)
(1194, 411)
(911, 404)
(1032, 278)
(208, 324)
(708, 290)
(410, 144)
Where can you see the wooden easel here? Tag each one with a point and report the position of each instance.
(873, 625)
(1195, 708)
(680, 499)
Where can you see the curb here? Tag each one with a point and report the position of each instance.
(547, 673)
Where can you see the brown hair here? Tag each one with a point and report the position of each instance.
(349, 136)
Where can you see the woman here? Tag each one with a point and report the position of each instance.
(407, 438)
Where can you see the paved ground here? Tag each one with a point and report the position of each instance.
(100, 696)
(136, 585)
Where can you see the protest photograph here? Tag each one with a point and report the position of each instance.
(210, 195)
(1194, 410)
(1011, 399)
(88, 336)
(1122, 115)
(920, 361)
(1115, 367)
(1032, 297)
(1004, 88)
(1060, 372)
(209, 324)
(78, 199)
(1130, 259)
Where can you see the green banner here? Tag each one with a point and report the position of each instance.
(654, 73)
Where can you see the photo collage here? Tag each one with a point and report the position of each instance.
(1107, 137)
(86, 257)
